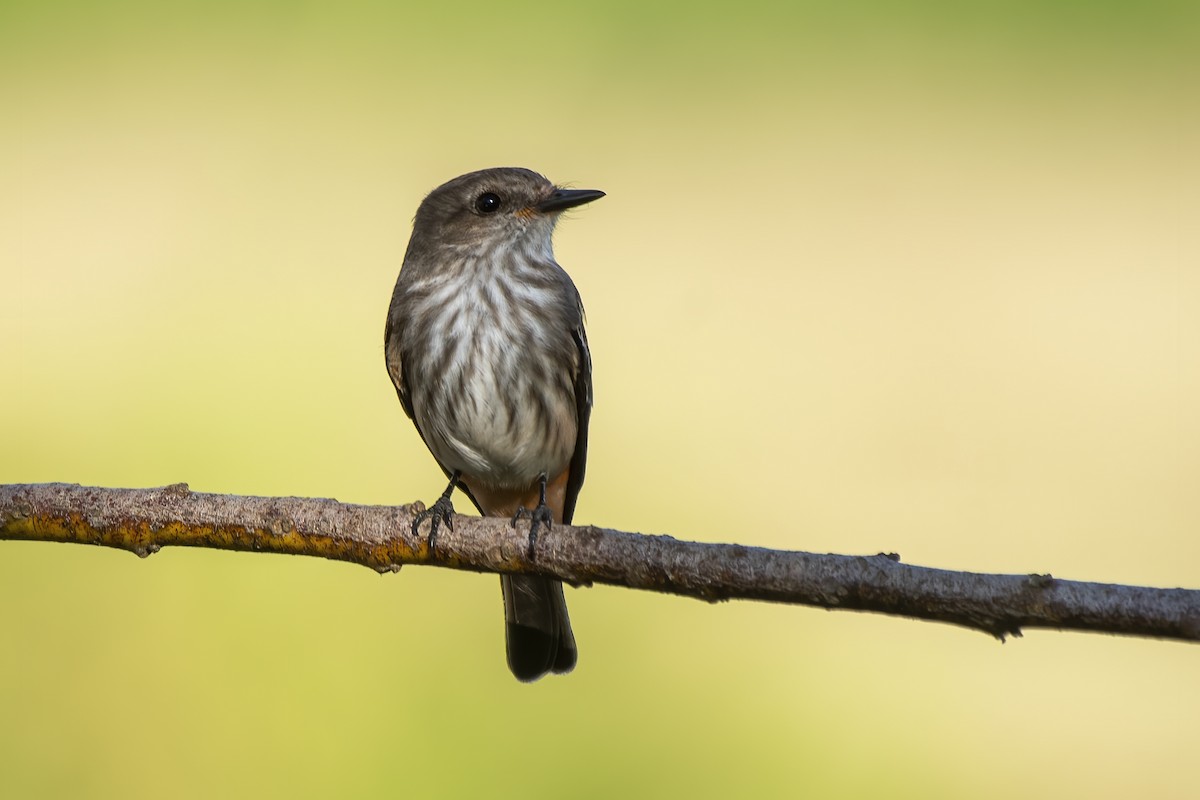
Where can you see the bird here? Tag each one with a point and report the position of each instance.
(485, 344)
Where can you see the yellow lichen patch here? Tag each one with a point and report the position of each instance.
(144, 539)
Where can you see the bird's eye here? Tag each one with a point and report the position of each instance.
(487, 203)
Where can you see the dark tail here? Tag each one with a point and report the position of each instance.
(537, 627)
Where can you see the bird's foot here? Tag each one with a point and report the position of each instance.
(441, 511)
(542, 515)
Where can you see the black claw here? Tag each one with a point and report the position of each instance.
(441, 511)
(542, 515)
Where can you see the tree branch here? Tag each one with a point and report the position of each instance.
(145, 520)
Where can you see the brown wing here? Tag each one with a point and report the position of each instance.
(583, 413)
(395, 364)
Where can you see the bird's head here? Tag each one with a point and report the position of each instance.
(500, 207)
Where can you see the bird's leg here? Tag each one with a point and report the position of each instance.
(539, 516)
(441, 511)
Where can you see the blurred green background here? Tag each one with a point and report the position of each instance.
(918, 277)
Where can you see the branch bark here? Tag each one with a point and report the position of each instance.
(145, 520)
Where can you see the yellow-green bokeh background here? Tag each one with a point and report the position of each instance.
(918, 277)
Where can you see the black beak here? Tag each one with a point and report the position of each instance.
(568, 198)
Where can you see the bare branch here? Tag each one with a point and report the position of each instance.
(144, 520)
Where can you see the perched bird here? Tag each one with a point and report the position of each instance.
(486, 346)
